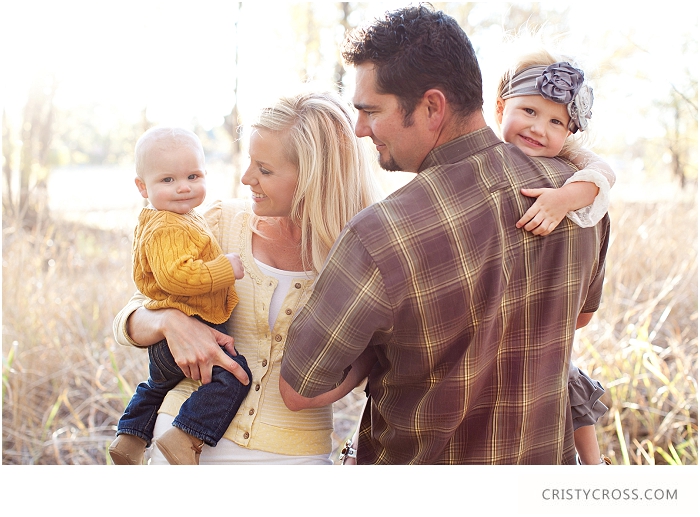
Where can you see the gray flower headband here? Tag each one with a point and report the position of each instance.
(560, 83)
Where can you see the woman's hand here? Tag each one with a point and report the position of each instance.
(195, 346)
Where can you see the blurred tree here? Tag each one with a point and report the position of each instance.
(663, 103)
(459, 11)
(344, 23)
(232, 120)
(348, 16)
(27, 203)
(512, 18)
(307, 28)
(96, 134)
(8, 206)
(680, 118)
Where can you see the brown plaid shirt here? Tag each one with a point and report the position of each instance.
(472, 320)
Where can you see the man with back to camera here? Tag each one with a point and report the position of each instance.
(471, 319)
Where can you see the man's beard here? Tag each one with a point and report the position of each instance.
(389, 165)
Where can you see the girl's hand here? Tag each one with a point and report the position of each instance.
(196, 347)
(546, 213)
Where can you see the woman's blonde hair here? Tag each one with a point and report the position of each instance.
(541, 57)
(335, 180)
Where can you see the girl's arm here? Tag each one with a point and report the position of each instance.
(584, 198)
(586, 159)
(586, 443)
(591, 170)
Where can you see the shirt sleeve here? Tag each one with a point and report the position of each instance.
(348, 310)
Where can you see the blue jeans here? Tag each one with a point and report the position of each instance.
(205, 415)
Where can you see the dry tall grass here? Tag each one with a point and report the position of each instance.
(65, 381)
(643, 343)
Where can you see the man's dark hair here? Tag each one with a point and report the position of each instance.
(415, 49)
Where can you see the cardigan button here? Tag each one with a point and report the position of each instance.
(288, 312)
(264, 362)
(297, 285)
(246, 435)
(278, 338)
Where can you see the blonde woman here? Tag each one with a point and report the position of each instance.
(308, 176)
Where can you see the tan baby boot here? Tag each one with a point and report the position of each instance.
(127, 449)
(180, 448)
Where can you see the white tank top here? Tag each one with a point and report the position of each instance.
(284, 281)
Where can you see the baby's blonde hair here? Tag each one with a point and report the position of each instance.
(541, 57)
(163, 138)
(335, 180)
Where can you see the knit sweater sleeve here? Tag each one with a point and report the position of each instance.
(174, 253)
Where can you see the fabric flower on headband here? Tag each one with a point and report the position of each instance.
(560, 82)
(564, 84)
(580, 109)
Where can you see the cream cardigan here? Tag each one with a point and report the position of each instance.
(263, 422)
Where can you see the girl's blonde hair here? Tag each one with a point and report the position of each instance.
(541, 57)
(335, 180)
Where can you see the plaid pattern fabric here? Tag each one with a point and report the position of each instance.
(471, 319)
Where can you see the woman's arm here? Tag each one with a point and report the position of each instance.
(119, 329)
(195, 346)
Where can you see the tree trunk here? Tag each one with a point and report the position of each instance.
(8, 205)
(339, 67)
(36, 135)
(231, 121)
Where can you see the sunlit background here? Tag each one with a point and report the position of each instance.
(82, 80)
(90, 77)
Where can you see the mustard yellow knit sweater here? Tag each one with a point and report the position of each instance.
(179, 264)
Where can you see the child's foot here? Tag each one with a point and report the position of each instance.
(127, 449)
(180, 448)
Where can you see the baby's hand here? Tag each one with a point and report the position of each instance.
(236, 264)
(546, 213)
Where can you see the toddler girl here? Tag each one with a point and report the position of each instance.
(541, 102)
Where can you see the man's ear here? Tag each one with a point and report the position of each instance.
(437, 107)
(141, 186)
(500, 106)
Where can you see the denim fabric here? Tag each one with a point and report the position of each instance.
(205, 415)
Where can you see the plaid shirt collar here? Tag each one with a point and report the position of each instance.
(460, 148)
